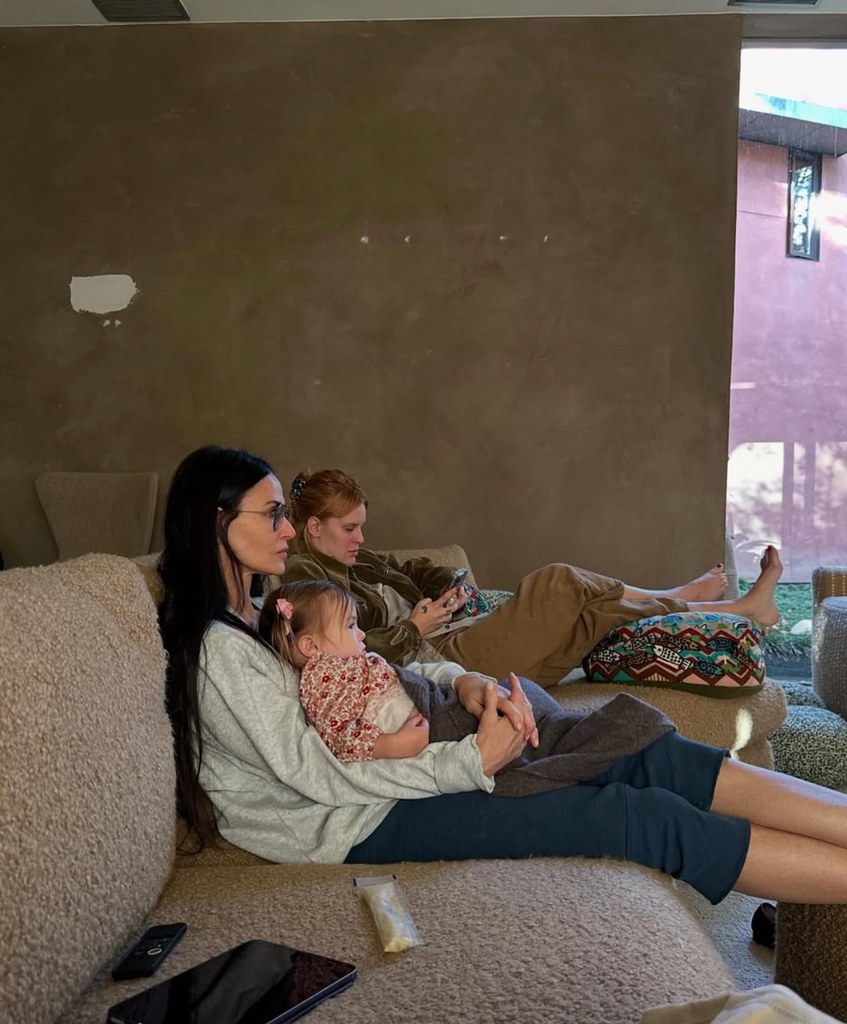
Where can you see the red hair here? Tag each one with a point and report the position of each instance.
(327, 494)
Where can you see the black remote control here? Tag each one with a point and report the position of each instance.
(150, 952)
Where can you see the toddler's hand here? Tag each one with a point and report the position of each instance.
(415, 734)
(416, 722)
(410, 739)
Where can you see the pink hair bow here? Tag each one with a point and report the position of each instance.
(285, 608)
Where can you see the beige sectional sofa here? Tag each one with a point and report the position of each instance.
(88, 855)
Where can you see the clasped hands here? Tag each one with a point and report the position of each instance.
(506, 721)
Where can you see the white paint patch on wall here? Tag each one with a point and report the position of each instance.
(103, 293)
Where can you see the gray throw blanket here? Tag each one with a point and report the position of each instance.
(572, 747)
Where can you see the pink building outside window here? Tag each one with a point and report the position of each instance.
(787, 470)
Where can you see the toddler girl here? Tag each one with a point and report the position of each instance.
(363, 708)
(354, 699)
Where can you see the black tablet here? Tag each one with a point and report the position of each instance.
(254, 983)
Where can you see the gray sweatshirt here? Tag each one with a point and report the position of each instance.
(278, 790)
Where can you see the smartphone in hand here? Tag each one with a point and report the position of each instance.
(457, 579)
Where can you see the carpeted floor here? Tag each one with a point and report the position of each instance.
(729, 924)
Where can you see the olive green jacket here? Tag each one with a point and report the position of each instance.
(414, 579)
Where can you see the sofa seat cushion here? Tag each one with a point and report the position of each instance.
(218, 852)
(700, 652)
(552, 940)
(743, 726)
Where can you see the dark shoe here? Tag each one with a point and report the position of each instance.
(764, 925)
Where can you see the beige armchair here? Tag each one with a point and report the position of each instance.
(108, 513)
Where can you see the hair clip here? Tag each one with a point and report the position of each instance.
(285, 609)
(297, 486)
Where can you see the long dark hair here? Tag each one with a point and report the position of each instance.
(203, 499)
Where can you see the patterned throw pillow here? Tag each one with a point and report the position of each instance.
(494, 598)
(475, 604)
(702, 652)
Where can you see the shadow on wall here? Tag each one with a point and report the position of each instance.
(792, 494)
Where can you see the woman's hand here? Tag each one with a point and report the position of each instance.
(499, 742)
(519, 711)
(430, 613)
(470, 689)
(457, 598)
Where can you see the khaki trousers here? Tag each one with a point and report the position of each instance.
(556, 616)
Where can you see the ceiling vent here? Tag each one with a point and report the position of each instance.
(141, 10)
(773, 3)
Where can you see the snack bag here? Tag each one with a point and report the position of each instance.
(394, 924)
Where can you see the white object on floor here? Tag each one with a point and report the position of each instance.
(804, 626)
(772, 1004)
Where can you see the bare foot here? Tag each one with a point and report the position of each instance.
(758, 603)
(708, 587)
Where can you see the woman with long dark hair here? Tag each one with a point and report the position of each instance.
(242, 740)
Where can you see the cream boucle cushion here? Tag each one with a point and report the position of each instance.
(86, 776)
(742, 726)
(551, 941)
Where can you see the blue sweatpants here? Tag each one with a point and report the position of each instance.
(651, 807)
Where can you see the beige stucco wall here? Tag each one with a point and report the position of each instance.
(486, 266)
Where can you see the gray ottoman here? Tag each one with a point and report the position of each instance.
(812, 744)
